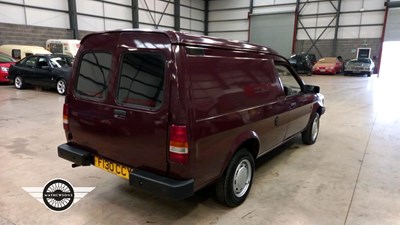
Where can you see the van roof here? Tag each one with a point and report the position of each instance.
(198, 40)
(21, 46)
(63, 40)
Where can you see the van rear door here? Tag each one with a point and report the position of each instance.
(130, 125)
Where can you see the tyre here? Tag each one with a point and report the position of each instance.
(369, 74)
(61, 86)
(19, 82)
(234, 185)
(310, 135)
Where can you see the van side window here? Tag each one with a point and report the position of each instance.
(141, 80)
(93, 75)
(289, 82)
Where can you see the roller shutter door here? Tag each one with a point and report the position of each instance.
(392, 32)
(274, 31)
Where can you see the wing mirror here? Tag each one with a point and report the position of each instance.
(311, 89)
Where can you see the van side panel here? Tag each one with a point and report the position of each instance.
(232, 94)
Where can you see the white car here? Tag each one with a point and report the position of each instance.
(359, 66)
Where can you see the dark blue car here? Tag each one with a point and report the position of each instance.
(42, 70)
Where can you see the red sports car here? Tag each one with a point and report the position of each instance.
(328, 65)
(5, 62)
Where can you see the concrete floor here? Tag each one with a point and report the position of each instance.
(350, 176)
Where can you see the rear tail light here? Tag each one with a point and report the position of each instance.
(65, 117)
(178, 144)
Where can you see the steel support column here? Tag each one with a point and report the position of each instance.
(383, 35)
(296, 21)
(336, 28)
(73, 18)
(177, 15)
(135, 13)
(206, 9)
(249, 18)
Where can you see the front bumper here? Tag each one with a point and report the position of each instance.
(358, 71)
(324, 71)
(140, 179)
(3, 78)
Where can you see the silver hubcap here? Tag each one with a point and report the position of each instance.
(61, 87)
(315, 127)
(242, 177)
(18, 82)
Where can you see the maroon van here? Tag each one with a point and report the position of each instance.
(174, 112)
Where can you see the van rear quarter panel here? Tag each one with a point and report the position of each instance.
(235, 96)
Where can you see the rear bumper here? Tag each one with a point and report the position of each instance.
(140, 179)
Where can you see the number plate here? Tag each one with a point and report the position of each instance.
(322, 71)
(112, 167)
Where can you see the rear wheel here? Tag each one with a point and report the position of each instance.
(19, 82)
(234, 186)
(61, 86)
(310, 135)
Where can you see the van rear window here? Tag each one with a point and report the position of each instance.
(141, 80)
(93, 75)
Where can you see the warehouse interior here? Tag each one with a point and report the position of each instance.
(349, 176)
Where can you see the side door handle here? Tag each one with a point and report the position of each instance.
(293, 105)
(276, 121)
(119, 114)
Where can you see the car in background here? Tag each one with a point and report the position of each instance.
(360, 66)
(312, 58)
(301, 63)
(327, 65)
(5, 62)
(45, 70)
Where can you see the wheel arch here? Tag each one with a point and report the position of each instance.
(248, 140)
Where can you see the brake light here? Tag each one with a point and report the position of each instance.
(65, 117)
(178, 144)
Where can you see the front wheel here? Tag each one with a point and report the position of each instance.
(61, 86)
(310, 135)
(234, 186)
(19, 82)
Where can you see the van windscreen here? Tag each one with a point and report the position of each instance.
(93, 75)
(141, 81)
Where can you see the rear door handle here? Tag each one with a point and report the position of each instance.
(119, 114)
